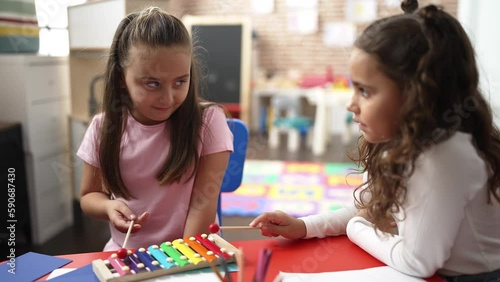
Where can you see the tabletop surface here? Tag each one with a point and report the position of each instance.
(303, 256)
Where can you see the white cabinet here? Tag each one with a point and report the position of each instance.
(35, 92)
(86, 19)
(92, 25)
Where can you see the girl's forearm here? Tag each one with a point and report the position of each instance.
(94, 205)
(198, 223)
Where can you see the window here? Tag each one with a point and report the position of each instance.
(52, 19)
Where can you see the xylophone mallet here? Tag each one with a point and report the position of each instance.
(122, 252)
(214, 227)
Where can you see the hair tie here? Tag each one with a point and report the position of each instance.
(432, 17)
(430, 12)
(409, 6)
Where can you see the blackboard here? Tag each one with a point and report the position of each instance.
(221, 56)
(224, 44)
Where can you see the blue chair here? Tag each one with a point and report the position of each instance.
(234, 173)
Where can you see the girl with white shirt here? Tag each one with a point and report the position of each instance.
(429, 149)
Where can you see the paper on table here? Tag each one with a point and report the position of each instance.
(59, 272)
(86, 274)
(179, 277)
(29, 267)
(185, 277)
(375, 274)
(82, 274)
(203, 274)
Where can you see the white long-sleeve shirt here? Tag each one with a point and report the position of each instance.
(445, 226)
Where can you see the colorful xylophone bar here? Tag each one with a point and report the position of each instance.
(181, 255)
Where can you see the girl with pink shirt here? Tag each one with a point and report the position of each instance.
(157, 153)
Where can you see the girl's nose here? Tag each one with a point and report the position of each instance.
(166, 95)
(352, 106)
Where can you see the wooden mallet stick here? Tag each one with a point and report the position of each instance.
(122, 252)
(128, 234)
(214, 227)
(237, 227)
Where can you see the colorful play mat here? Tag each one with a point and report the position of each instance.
(298, 188)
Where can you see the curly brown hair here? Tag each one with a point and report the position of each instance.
(430, 57)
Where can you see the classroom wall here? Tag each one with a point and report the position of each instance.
(480, 20)
(280, 51)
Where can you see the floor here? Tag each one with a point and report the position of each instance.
(89, 235)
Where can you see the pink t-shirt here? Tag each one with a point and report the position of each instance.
(143, 153)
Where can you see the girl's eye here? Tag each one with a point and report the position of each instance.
(363, 92)
(152, 84)
(180, 82)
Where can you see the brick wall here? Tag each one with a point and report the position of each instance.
(280, 51)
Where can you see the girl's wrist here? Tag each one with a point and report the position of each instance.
(303, 228)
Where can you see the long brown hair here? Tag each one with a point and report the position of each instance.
(152, 28)
(429, 55)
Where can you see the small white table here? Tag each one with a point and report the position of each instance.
(323, 99)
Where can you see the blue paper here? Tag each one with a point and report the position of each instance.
(29, 267)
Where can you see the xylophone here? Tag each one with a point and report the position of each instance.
(177, 256)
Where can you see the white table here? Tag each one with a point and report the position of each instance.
(323, 99)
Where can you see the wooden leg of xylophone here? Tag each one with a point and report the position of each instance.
(101, 270)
